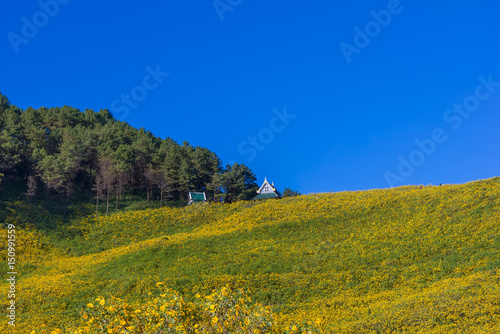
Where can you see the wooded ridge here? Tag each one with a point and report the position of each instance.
(63, 153)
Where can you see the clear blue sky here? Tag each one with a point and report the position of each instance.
(363, 80)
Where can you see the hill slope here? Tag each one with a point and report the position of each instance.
(397, 260)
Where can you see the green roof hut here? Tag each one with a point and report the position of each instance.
(195, 198)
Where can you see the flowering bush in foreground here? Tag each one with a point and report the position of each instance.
(223, 311)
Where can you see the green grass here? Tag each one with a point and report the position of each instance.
(290, 254)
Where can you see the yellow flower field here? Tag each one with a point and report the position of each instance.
(402, 260)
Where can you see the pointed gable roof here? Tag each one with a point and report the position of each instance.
(267, 190)
(266, 183)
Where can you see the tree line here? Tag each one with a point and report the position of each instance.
(58, 153)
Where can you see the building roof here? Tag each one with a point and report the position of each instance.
(265, 196)
(266, 183)
(197, 197)
(267, 190)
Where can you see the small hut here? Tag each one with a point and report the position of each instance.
(267, 190)
(195, 198)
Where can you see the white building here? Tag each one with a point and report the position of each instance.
(267, 190)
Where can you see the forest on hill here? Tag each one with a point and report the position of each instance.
(63, 154)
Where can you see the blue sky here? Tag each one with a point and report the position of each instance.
(320, 96)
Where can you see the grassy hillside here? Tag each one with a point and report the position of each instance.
(397, 260)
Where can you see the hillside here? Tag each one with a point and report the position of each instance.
(405, 260)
